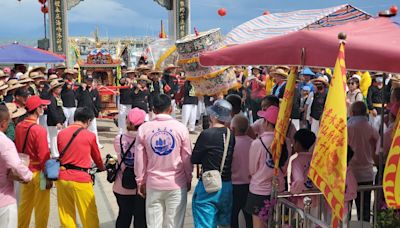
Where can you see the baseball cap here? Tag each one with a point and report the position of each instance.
(136, 116)
(33, 102)
(270, 115)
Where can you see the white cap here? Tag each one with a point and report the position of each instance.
(357, 77)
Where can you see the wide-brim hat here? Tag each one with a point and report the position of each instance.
(144, 78)
(3, 85)
(61, 66)
(256, 68)
(143, 68)
(14, 84)
(280, 72)
(320, 79)
(56, 83)
(52, 77)
(285, 68)
(170, 67)
(221, 110)
(35, 75)
(395, 78)
(35, 69)
(15, 111)
(131, 71)
(307, 71)
(69, 71)
(25, 79)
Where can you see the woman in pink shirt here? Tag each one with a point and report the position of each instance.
(129, 202)
(261, 167)
(240, 170)
(11, 169)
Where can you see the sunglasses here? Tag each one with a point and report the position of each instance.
(351, 83)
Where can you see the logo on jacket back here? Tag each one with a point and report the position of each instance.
(162, 142)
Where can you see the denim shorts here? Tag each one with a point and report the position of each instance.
(212, 209)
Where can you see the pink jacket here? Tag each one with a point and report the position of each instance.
(261, 174)
(298, 168)
(163, 151)
(127, 139)
(10, 160)
(240, 160)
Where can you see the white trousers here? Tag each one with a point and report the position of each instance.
(123, 112)
(53, 131)
(93, 128)
(314, 126)
(43, 122)
(189, 112)
(9, 216)
(166, 209)
(376, 122)
(201, 108)
(69, 115)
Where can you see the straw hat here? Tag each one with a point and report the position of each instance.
(3, 85)
(69, 71)
(25, 79)
(320, 79)
(35, 75)
(156, 72)
(142, 68)
(14, 84)
(170, 67)
(56, 83)
(285, 68)
(37, 68)
(52, 77)
(3, 75)
(131, 71)
(15, 111)
(61, 66)
(76, 66)
(143, 78)
(395, 78)
(279, 72)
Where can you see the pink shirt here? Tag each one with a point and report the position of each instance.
(163, 151)
(362, 138)
(240, 160)
(387, 141)
(351, 187)
(127, 139)
(261, 174)
(10, 160)
(298, 169)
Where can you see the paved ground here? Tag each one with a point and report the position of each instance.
(106, 203)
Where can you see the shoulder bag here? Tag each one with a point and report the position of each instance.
(52, 166)
(211, 179)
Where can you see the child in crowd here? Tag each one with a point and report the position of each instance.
(240, 169)
(129, 202)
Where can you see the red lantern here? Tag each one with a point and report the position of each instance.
(266, 12)
(393, 9)
(45, 9)
(222, 12)
(42, 1)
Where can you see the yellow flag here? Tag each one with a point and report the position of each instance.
(328, 165)
(285, 110)
(391, 174)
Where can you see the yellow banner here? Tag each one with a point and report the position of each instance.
(391, 174)
(328, 165)
(285, 110)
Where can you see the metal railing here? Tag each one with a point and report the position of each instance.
(287, 213)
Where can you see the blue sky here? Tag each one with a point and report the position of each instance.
(117, 18)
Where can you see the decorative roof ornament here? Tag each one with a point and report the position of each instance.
(164, 3)
(73, 3)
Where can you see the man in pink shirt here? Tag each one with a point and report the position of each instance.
(11, 169)
(362, 138)
(240, 169)
(261, 167)
(162, 166)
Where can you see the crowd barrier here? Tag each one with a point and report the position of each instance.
(287, 214)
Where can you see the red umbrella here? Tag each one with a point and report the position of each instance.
(372, 45)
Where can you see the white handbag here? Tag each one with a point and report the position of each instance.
(212, 180)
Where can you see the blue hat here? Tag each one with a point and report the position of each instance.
(307, 71)
(306, 88)
(221, 109)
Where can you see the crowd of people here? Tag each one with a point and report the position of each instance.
(47, 115)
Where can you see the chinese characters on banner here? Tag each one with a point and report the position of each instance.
(57, 16)
(285, 111)
(328, 165)
(182, 15)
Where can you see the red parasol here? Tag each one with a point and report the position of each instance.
(372, 45)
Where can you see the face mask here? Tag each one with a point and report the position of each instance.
(320, 87)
